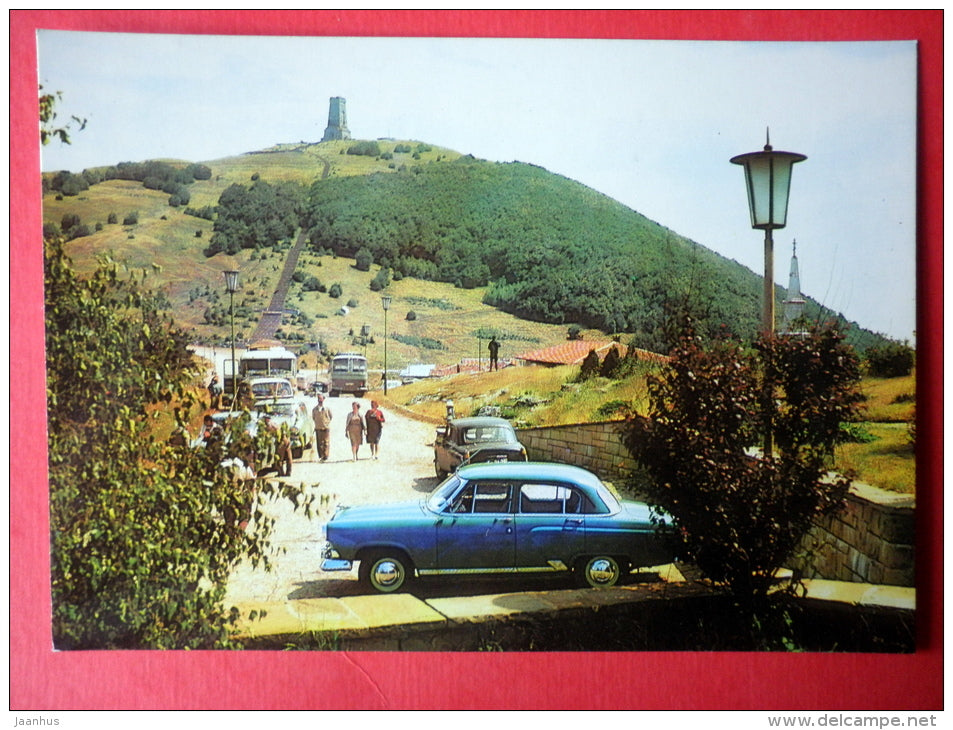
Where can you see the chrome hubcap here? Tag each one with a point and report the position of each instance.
(387, 573)
(602, 571)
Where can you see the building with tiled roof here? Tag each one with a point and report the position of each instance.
(573, 352)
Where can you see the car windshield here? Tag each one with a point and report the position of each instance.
(280, 409)
(441, 495)
(488, 434)
(272, 389)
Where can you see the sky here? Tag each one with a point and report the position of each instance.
(651, 124)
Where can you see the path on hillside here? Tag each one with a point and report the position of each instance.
(270, 319)
(403, 472)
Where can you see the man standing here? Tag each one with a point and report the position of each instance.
(494, 353)
(215, 393)
(321, 415)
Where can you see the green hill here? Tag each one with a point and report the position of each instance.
(489, 238)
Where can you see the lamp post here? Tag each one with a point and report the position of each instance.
(231, 285)
(768, 181)
(385, 303)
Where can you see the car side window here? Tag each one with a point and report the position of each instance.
(483, 497)
(541, 498)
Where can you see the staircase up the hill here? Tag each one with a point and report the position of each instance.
(271, 318)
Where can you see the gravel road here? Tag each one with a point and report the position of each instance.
(404, 471)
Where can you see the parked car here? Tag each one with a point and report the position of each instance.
(318, 386)
(475, 440)
(260, 462)
(270, 390)
(300, 425)
(508, 518)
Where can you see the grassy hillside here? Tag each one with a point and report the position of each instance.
(485, 237)
(540, 396)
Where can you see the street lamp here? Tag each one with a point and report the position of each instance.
(768, 181)
(385, 303)
(231, 286)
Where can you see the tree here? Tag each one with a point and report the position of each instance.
(590, 366)
(363, 260)
(48, 130)
(892, 359)
(611, 363)
(741, 516)
(144, 530)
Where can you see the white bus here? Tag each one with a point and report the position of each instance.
(348, 374)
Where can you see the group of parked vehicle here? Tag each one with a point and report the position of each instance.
(493, 511)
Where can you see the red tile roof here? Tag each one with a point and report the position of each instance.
(574, 352)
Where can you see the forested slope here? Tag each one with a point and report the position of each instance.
(548, 248)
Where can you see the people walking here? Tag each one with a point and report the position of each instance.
(373, 424)
(321, 415)
(354, 428)
(494, 353)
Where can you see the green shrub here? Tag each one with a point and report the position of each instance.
(144, 531)
(740, 517)
(892, 359)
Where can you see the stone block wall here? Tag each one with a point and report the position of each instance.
(593, 446)
(871, 540)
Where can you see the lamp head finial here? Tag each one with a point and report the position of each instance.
(767, 139)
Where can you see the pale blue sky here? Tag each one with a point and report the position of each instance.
(649, 123)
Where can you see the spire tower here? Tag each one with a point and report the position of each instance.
(794, 303)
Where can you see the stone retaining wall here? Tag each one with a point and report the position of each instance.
(870, 541)
(593, 446)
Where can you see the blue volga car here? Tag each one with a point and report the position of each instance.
(508, 517)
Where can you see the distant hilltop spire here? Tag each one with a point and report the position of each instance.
(794, 304)
(337, 120)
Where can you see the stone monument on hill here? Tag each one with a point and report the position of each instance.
(337, 120)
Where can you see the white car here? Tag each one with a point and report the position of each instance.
(298, 420)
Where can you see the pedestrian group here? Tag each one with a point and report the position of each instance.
(357, 428)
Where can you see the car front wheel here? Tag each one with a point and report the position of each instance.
(601, 571)
(385, 572)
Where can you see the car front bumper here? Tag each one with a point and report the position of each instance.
(331, 561)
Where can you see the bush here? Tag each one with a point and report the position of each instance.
(131, 219)
(335, 291)
(411, 316)
(144, 531)
(363, 260)
(741, 517)
(890, 360)
(590, 366)
(367, 148)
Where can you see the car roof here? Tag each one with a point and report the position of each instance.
(479, 421)
(529, 470)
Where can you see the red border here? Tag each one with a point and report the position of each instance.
(43, 680)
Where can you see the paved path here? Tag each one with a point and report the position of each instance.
(404, 471)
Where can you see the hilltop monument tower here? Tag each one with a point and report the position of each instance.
(337, 120)
(794, 304)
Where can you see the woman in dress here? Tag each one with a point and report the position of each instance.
(354, 428)
(374, 422)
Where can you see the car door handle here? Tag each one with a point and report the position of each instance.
(572, 524)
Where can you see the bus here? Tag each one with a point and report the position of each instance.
(261, 361)
(348, 374)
